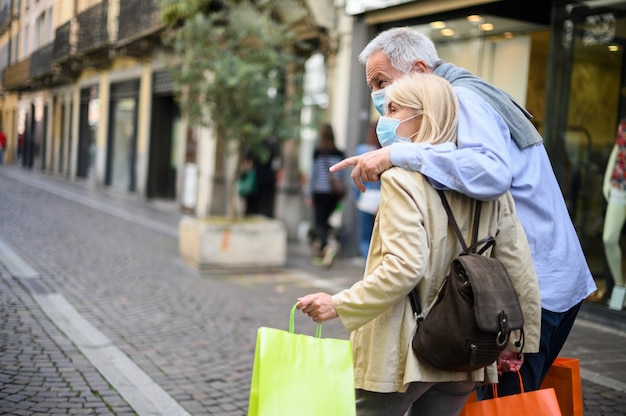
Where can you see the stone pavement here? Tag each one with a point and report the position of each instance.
(100, 316)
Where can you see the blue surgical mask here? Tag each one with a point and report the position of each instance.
(386, 130)
(378, 97)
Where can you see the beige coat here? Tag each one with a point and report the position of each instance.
(412, 244)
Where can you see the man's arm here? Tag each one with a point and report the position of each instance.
(478, 168)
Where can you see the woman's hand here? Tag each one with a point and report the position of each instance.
(319, 306)
(508, 361)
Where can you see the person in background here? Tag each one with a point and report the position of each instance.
(265, 165)
(318, 194)
(411, 246)
(367, 202)
(485, 163)
(20, 145)
(614, 191)
(3, 144)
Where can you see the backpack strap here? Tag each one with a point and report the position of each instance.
(486, 242)
(455, 226)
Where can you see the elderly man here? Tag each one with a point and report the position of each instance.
(487, 163)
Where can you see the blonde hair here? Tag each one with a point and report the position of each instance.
(433, 98)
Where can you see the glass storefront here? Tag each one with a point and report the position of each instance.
(122, 136)
(586, 101)
(122, 144)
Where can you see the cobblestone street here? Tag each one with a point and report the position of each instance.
(91, 278)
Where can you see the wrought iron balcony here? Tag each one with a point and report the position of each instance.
(18, 75)
(92, 28)
(65, 40)
(138, 18)
(41, 61)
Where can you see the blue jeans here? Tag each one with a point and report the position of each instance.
(365, 223)
(425, 399)
(555, 327)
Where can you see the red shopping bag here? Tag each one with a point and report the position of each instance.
(564, 378)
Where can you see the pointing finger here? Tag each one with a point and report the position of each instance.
(346, 163)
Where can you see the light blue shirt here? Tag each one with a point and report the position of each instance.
(486, 164)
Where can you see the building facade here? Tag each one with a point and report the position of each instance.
(87, 95)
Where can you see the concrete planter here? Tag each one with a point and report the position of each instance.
(221, 245)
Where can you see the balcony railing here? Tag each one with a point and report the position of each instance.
(92, 27)
(41, 61)
(17, 75)
(137, 18)
(63, 47)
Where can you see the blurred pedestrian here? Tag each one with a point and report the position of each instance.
(366, 202)
(3, 144)
(20, 145)
(262, 164)
(319, 195)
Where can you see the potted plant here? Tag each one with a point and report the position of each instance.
(235, 69)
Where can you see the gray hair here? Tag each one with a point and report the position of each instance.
(402, 46)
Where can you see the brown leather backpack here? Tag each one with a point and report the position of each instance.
(475, 310)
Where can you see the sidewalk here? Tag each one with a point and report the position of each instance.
(100, 315)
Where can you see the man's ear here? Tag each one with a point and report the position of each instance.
(419, 66)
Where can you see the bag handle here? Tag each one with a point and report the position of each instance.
(494, 386)
(318, 327)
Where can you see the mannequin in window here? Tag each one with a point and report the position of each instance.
(614, 191)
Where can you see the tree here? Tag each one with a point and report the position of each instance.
(235, 60)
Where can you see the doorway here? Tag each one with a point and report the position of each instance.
(164, 140)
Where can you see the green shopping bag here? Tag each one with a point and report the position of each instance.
(297, 374)
(247, 183)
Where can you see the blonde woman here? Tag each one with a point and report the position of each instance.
(412, 246)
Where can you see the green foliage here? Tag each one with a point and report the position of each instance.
(233, 60)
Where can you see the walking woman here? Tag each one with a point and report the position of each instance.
(319, 194)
